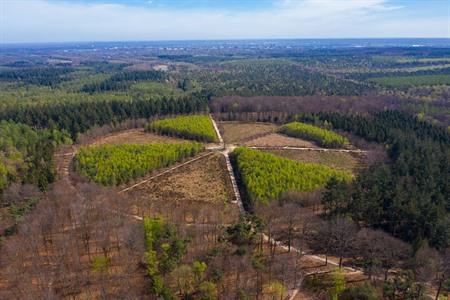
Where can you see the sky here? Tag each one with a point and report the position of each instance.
(145, 20)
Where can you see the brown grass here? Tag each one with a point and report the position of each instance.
(135, 136)
(198, 192)
(237, 132)
(278, 140)
(351, 162)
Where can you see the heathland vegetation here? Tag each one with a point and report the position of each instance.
(116, 164)
(195, 127)
(323, 137)
(266, 176)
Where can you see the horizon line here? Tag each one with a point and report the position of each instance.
(225, 39)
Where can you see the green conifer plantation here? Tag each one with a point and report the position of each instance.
(323, 137)
(267, 176)
(116, 164)
(195, 127)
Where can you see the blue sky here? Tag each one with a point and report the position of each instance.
(107, 20)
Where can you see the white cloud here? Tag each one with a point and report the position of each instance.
(39, 20)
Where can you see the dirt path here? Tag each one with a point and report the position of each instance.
(226, 152)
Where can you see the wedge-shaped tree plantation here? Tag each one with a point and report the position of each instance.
(323, 137)
(267, 176)
(195, 127)
(116, 164)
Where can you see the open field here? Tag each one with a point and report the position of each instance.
(278, 140)
(351, 162)
(198, 190)
(237, 132)
(135, 136)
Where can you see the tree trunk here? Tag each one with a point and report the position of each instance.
(439, 290)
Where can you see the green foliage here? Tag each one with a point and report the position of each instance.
(323, 137)
(99, 263)
(316, 283)
(416, 80)
(123, 80)
(199, 268)
(3, 177)
(77, 112)
(403, 286)
(17, 211)
(26, 154)
(196, 127)
(360, 292)
(408, 197)
(278, 77)
(40, 76)
(207, 291)
(275, 289)
(116, 164)
(163, 251)
(240, 234)
(338, 284)
(266, 176)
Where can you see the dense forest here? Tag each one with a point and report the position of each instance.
(26, 155)
(40, 76)
(195, 127)
(271, 77)
(409, 197)
(77, 117)
(122, 81)
(116, 164)
(266, 177)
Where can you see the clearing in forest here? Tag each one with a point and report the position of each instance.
(197, 192)
(195, 127)
(351, 162)
(238, 132)
(135, 136)
(279, 140)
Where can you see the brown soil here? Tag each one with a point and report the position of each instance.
(198, 192)
(135, 136)
(236, 132)
(278, 140)
(352, 162)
